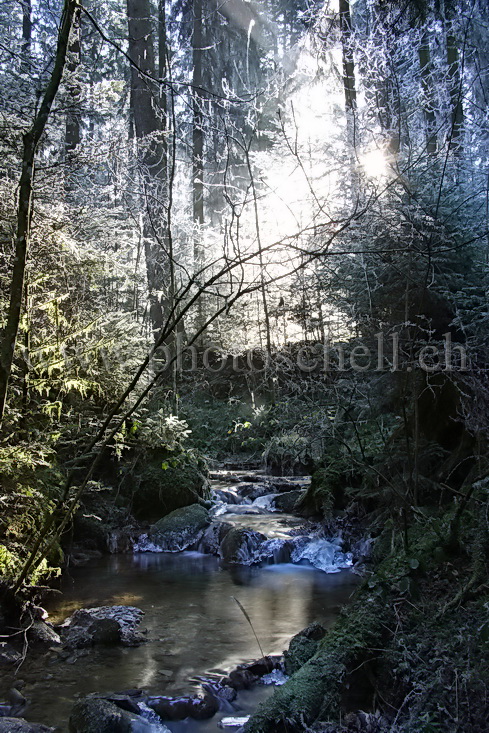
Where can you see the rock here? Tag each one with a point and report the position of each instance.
(274, 551)
(42, 633)
(213, 536)
(181, 529)
(8, 655)
(161, 491)
(240, 545)
(302, 647)
(253, 490)
(102, 625)
(95, 715)
(178, 708)
(19, 725)
(283, 484)
(248, 674)
(287, 501)
(227, 497)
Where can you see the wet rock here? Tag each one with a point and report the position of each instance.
(227, 497)
(83, 557)
(240, 545)
(302, 647)
(94, 715)
(19, 725)
(287, 501)
(102, 625)
(181, 529)
(42, 633)
(283, 484)
(253, 491)
(274, 551)
(120, 541)
(8, 655)
(213, 536)
(246, 675)
(178, 708)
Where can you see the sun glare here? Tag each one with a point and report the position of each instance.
(374, 163)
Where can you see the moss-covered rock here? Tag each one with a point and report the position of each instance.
(181, 528)
(158, 488)
(325, 494)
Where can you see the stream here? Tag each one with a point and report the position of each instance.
(193, 626)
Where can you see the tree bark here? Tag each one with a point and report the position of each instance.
(424, 55)
(73, 115)
(197, 148)
(149, 123)
(24, 207)
(455, 91)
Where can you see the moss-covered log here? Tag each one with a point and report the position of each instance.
(314, 691)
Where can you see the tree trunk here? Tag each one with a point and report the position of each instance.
(26, 34)
(455, 91)
(24, 207)
(424, 55)
(348, 70)
(74, 91)
(198, 149)
(149, 123)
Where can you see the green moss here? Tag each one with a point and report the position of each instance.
(325, 493)
(160, 488)
(314, 691)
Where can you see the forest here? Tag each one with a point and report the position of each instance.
(244, 340)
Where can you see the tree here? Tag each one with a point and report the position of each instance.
(24, 208)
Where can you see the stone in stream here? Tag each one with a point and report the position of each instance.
(102, 625)
(213, 536)
(287, 501)
(96, 715)
(181, 529)
(227, 497)
(246, 675)
(19, 725)
(42, 633)
(239, 546)
(302, 647)
(252, 490)
(8, 655)
(178, 708)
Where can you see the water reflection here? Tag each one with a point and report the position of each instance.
(193, 624)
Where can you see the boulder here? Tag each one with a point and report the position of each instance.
(287, 501)
(180, 529)
(303, 646)
(19, 725)
(239, 546)
(95, 715)
(178, 708)
(162, 490)
(102, 625)
(213, 536)
(42, 633)
(253, 490)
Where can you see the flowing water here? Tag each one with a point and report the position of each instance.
(194, 626)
